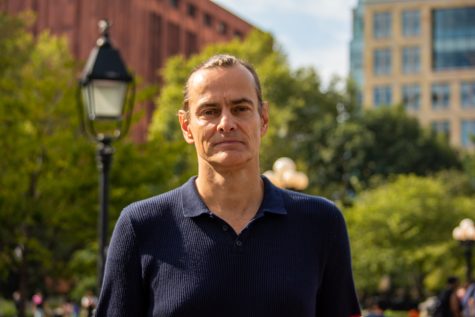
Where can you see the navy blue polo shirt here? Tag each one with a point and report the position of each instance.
(170, 256)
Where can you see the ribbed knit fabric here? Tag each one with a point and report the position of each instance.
(170, 256)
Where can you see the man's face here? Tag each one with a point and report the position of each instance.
(223, 121)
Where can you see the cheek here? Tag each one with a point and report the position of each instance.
(202, 132)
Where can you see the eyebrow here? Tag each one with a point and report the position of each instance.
(232, 102)
(207, 105)
(241, 100)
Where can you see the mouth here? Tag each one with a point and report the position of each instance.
(227, 142)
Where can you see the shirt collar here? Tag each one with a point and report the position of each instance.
(193, 205)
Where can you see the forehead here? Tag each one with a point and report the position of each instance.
(222, 82)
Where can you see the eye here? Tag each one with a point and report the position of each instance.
(209, 112)
(241, 109)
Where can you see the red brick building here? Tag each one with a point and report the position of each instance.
(146, 32)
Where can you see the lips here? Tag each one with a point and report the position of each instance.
(227, 142)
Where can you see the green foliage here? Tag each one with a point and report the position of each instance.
(403, 229)
(49, 197)
(395, 313)
(46, 187)
(346, 150)
(7, 308)
(469, 166)
(402, 146)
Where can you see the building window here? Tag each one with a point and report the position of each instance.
(207, 19)
(191, 44)
(382, 23)
(382, 95)
(441, 127)
(467, 94)
(222, 28)
(440, 95)
(156, 59)
(174, 3)
(173, 39)
(356, 59)
(191, 10)
(411, 22)
(382, 61)
(453, 34)
(411, 96)
(468, 133)
(238, 34)
(411, 59)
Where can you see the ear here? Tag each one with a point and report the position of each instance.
(264, 118)
(183, 117)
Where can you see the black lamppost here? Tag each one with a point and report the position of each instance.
(465, 234)
(105, 100)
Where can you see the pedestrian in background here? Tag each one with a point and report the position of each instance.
(448, 303)
(468, 301)
(38, 305)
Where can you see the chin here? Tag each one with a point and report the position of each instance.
(229, 160)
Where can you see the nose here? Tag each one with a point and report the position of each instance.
(226, 122)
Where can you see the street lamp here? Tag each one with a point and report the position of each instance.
(105, 101)
(465, 234)
(285, 175)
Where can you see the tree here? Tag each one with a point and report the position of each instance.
(402, 229)
(347, 149)
(48, 202)
(45, 185)
(403, 146)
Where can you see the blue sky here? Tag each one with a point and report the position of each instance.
(311, 32)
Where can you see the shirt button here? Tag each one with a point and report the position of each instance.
(239, 243)
(225, 228)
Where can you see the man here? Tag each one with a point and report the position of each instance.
(228, 242)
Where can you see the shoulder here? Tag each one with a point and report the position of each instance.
(299, 205)
(302, 200)
(159, 206)
(310, 205)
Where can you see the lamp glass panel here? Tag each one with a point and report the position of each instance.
(86, 97)
(108, 98)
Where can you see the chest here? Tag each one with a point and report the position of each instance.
(204, 267)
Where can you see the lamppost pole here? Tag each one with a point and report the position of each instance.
(465, 234)
(468, 257)
(104, 160)
(105, 102)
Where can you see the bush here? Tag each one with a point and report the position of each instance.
(395, 313)
(7, 308)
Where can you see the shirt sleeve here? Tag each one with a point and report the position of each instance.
(337, 296)
(122, 292)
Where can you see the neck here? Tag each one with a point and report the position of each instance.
(233, 195)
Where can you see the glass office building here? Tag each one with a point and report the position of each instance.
(419, 54)
(357, 49)
(453, 38)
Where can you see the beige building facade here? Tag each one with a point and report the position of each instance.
(419, 54)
